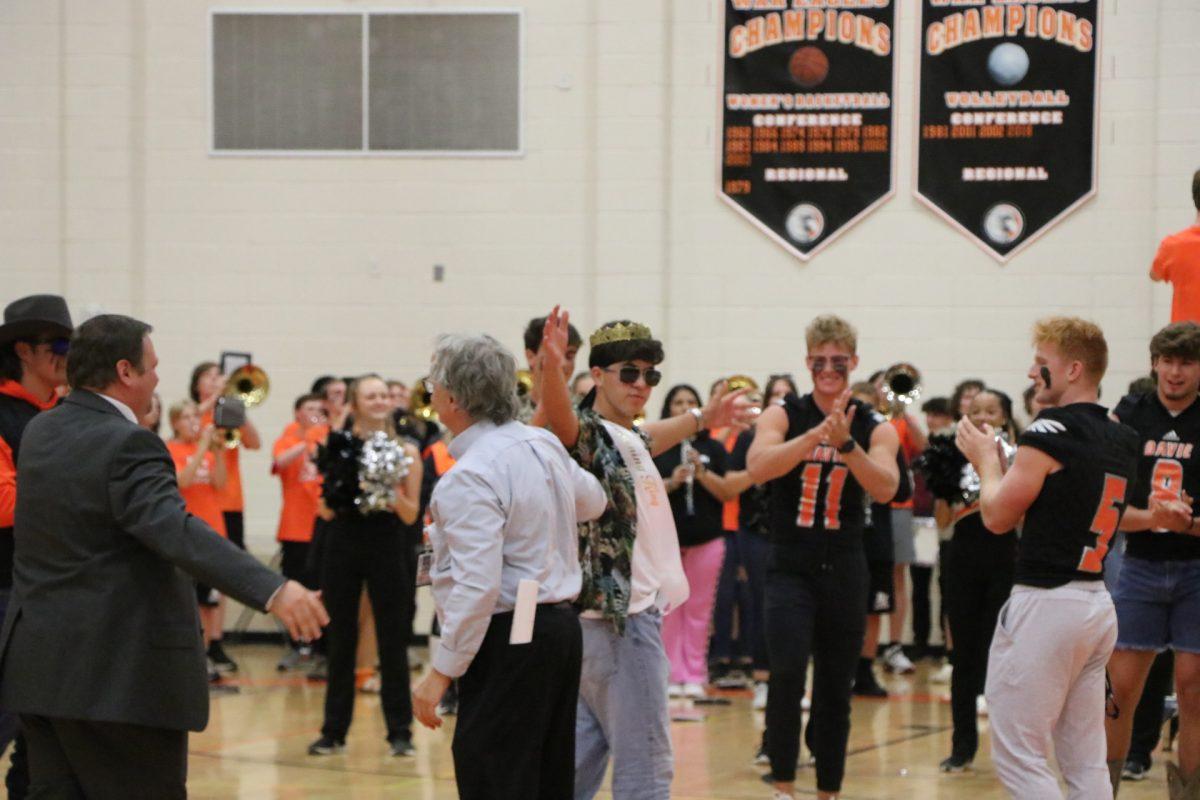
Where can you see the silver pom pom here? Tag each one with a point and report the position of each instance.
(381, 465)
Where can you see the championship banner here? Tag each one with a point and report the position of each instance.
(1007, 136)
(807, 123)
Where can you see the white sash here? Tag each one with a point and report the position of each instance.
(656, 563)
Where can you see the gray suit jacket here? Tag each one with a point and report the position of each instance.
(102, 622)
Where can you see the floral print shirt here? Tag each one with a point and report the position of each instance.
(606, 544)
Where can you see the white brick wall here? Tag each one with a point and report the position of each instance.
(324, 265)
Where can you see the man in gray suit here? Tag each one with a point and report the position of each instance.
(101, 652)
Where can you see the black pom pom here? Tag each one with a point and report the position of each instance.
(942, 466)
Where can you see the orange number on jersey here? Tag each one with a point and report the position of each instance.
(1104, 524)
(810, 487)
(1167, 480)
(810, 482)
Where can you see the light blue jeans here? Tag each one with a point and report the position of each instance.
(623, 710)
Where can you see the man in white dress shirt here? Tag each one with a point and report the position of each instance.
(505, 513)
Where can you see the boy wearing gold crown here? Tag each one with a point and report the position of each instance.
(632, 573)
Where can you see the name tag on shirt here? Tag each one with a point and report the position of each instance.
(523, 612)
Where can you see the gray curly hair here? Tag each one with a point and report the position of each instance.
(480, 373)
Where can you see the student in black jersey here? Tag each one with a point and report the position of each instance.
(1045, 674)
(1158, 590)
(820, 453)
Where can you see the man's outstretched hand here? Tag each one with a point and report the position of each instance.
(300, 610)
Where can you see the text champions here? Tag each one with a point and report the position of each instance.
(809, 25)
(1007, 20)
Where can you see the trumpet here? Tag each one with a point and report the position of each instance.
(248, 386)
(901, 388)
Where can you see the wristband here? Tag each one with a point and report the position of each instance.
(699, 415)
(847, 447)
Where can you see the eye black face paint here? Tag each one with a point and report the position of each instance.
(1045, 373)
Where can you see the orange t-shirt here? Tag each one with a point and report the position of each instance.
(201, 497)
(301, 488)
(1178, 261)
(230, 497)
(908, 447)
(731, 508)
(8, 469)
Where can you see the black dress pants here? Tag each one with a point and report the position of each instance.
(515, 737)
(979, 568)
(73, 759)
(818, 607)
(370, 551)
(295, 563)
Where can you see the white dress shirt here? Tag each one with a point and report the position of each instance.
(125, 410)
(506, 511)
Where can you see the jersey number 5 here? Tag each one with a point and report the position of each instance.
(810, 488)
(1104, 524)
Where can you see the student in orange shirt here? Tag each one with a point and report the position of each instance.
(1178, 262)
(206, 387)
(196, 449)
(301, 484)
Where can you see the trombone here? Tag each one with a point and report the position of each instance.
(249, 385)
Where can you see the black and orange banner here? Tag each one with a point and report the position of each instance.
(807, 112)
(1007, 125)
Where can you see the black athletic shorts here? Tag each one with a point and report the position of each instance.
(881, 597)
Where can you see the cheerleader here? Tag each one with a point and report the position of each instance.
(979, 567)
(371, 491)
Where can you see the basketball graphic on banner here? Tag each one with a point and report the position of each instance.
(809, 66)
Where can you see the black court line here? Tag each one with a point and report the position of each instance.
(922, 732)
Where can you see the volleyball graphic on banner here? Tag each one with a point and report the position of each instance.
(1007, 117)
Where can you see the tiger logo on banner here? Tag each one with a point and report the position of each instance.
(807, 116)
(1007, 128)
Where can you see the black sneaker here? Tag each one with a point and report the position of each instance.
(955, 764)
(865, 684)
(326, 746)
(319, 670)
(1134, 771)
(220, 658)
(401, 746)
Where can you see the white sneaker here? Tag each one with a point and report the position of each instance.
(675, 690)
(943, 673)
(694, 691)
(760, 696)
(981, 706)
(778, 795)
(895, 660)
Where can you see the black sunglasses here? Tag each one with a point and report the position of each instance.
(59, 345)
(630, 374)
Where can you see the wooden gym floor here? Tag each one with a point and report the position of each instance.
(255, 747)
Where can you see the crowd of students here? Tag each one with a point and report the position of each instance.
(756, 611)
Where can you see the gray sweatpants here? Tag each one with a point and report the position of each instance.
(1045, 684)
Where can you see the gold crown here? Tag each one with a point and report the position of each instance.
(621, 332)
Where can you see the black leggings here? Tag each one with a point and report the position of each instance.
(979, 569)
(818, 609)
(367, 550)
